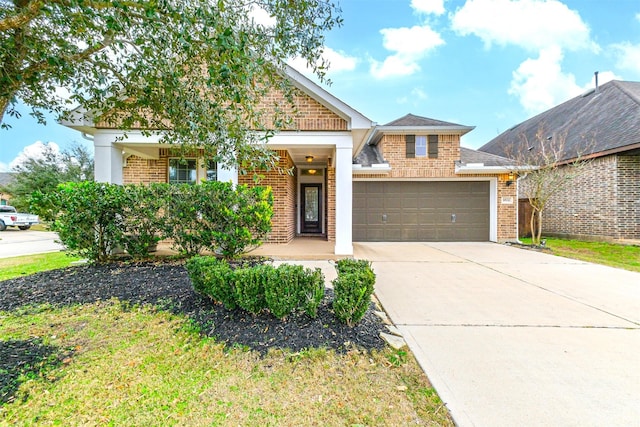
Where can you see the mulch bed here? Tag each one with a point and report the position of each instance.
(167, 285)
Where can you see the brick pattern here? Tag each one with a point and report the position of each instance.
(629, 197)
(394, 151)
(331, 204)
(308, 114)
(283, 185)
(603, 203)
(141, 171)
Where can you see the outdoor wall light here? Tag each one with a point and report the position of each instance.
(510, 178)
(309, 159)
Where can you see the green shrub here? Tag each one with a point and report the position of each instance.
(282, 293)
(141, 222)
(86, 215)
(250, 284)
(353, 289)
(214, 278)
(311, 291)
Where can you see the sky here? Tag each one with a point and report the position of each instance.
(485, 63)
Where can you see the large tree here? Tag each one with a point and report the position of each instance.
(46, 170)
(197, 69)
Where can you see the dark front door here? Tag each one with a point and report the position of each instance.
(311, 212)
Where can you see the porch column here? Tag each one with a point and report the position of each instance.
(228, 173)
(344, 245)
(107, 160)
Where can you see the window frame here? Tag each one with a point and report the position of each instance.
(202, 169)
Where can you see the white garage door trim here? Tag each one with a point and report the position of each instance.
(493, 196)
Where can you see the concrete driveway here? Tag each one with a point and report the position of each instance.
(510, 337)
(14, 242)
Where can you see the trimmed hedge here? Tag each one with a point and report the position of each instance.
(281, 290)
(285, 289)
(353, 289)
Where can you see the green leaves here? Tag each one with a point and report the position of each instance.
(198, 66)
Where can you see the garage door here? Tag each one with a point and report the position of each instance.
(420, 211)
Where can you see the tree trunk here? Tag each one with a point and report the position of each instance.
(4, 103)
(539, 228)
(532, 226)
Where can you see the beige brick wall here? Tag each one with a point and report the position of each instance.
(602, 203)
(283, 185)
(308, 114)
(142, 171)
(394, 151)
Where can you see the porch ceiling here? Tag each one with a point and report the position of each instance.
(321, 155)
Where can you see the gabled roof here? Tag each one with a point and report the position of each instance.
(411, 123)
(412, 120)
(599, 122)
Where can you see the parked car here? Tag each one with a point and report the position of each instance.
(9, 217)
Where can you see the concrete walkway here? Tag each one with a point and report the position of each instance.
(510, 337)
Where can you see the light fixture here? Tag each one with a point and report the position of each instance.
(510, 178)
(312, 171)
(309, 159)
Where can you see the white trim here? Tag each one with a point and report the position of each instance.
(344, 200)
(493, 195)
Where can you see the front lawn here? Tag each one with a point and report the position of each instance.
(29, 264)
(611, 254)
(131, 344)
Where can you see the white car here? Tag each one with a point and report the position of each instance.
(9, 217)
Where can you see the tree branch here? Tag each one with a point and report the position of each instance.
(28, 12)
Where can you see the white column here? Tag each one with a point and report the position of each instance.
(228, 173)
(107, 160)
(344, 198)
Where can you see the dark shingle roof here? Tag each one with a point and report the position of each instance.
(592, 123)
(468, 155)
(369, 155)
(413, 120)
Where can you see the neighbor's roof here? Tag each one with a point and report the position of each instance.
(595, 123)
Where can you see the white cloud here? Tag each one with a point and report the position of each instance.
(410, 46)
(4, 167)
(541, 84)
(530, 24)
(435, 7)
(338, 61)
(415, 97)
(261, 17)
(33, 151)
(628, 56)
(638, 17)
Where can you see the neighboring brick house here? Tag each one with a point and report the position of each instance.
(327, 150)
(602, 125)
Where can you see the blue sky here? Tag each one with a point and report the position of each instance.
(484, 63)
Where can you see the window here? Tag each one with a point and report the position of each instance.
(421, 146)
(182, 171)
(211, 170)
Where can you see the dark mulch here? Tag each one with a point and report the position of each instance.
(167, 286)
(20, 359)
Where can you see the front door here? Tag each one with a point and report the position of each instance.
(311, 211)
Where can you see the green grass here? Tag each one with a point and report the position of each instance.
(109, 363)
(29, 264)
(614, 255)
(124, 365)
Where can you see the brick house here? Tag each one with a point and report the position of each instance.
(602, 125)
(408, 180)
